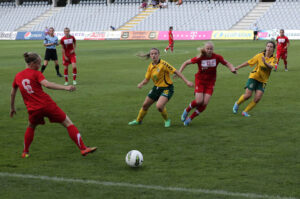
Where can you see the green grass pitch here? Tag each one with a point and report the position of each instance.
(219, 151)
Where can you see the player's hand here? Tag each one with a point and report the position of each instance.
(190, 84)
(140, 85)
(12, 112)
(71, 88)
(233, 71)
(66, 58)
(72, 51)
(263, 59)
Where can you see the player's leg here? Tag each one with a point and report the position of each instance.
(284, 57)
(44, 65)
(73, 61)
(167, 48)
(278, 55)
(201, 107)
(248, 93)
(199, 101)
(76, 137)
(143, 111)
(57, 68)
(161, 107)
(66, 75)
(172, 47)
(28, 138)
(252, 104)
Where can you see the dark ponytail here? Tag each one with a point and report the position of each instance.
(147, 56)
(30, 57)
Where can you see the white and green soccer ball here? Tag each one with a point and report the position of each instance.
(134, 158)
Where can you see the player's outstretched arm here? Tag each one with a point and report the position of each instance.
(185, 64)
(55, 86)
(12, 101)
(231, 67)
(144, 82)
(242, 65)
(187, 82)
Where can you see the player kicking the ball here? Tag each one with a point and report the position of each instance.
(204, 80)
(68, 43)
(40, 105)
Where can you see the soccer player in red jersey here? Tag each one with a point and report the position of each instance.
(171, 40)
(282, 45)
(40, 105)
(68, 43)
(204, 80)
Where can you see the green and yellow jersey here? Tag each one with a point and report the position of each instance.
(160, 73)
(261, 72)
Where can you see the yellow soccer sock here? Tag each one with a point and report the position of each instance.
(250, 106)
(141, 115)
(241, 100)
(164, 114)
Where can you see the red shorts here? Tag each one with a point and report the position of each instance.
(72, 59)
(281, 54)
(171, 43)
(52, 111)
(203, 87)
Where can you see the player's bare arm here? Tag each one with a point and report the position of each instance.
(185, 64)
(55, 86)
(242, 65)
(268, 65)
(187, 82)
(12, 101)
(231, 67)
(144, 82)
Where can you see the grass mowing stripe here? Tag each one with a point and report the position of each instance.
(151, 187)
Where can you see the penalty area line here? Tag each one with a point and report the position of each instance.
(142, 186)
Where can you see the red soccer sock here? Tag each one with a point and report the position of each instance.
(28, 138)
(76, 137)
(74, 73)
(285, 62)
(66, 74)
(199, 110)
(192, 105)
(167, 48)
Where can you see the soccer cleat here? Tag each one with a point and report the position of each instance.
(25, 155)
(74, 83)
(66, 83)
(134, 122)
(88, 150)
(166, 51)
(59, 75)
(187, 122)
(286, 70)
(235, 108)
(184, 115)
(167, 123)
(245, 114)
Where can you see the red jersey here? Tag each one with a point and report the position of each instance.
(68, 44)
(170, 36)
(282, 43)
(30, 87)
(208, 67)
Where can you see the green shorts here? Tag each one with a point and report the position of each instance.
(254, 85)
(156, 92)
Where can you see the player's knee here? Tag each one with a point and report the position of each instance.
(159, 108)
(145, 107)
(199, 103)
(31, 126)
(247, 96)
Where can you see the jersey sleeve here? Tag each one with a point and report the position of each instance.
(40, 76)
(169, 68)
(195, 60)
(222, 60)
(14, 84)
(254, 60)
(287, 40)
(148, 73)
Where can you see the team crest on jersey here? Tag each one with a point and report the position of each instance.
(281, 40)
(209, 63)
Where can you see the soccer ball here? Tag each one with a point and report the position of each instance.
(134, 158)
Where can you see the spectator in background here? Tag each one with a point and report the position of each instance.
(144, 5)
(154, 3)
(112, 28)
(163, 4)
(255, 31)
(179, 2)
(46, 31)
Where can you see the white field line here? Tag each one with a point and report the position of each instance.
(150, 187)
